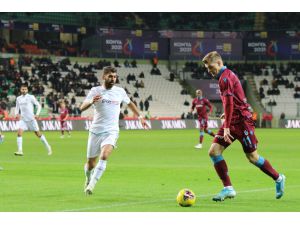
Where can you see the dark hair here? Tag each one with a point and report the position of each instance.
(109, 69)
(24, 85)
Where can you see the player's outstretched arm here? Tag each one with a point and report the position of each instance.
(136, 112)
(17, 110)
(87, 104)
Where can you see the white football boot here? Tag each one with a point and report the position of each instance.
(198, 146)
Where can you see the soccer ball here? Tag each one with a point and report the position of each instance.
(186, 197)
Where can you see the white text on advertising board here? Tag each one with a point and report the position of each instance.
(293, 124)
(210, 124)
(135, 125)
(173, 124)
(54, 125)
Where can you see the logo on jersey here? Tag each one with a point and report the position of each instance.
(199, 105)
(107, 101)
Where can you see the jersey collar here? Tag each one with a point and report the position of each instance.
(221, 71)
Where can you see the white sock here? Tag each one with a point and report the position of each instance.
(229, 187)
(99, 170)
(88, 172)
(279, 179)
(45, 142)
(19, 143)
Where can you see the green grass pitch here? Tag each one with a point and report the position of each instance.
(145, 173)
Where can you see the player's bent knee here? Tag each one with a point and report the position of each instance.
(106, 151)
(252, 157)
(105, 155)
(19, 133)
(215, 149)
(211, 151)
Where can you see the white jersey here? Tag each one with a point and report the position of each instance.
(107, 110)
(25, 104)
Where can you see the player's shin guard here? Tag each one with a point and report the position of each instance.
(45, 142)
(266, 167)
(221, 168)
(201, 137)
(20, 143)
(88, 172)
(99, 170)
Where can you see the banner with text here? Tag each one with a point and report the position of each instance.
(77, 125)
(84, 125)
(134, 47)
(194, 48)
(285, 49)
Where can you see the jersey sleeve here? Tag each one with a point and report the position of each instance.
(226, 86)
(125, 98)
(36, 103)
(17, 109)
(193, 104)
(90, 95)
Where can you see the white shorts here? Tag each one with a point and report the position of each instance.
(97, 141)
(28, 125)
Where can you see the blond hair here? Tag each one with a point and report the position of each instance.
(211, 57)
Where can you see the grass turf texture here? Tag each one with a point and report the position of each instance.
(145, 173)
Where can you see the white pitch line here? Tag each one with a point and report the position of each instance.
(162, 200)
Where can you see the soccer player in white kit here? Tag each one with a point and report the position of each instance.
(104, 131)
(27, 120)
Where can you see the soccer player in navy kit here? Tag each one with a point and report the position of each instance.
(201, 104)
(239, 125)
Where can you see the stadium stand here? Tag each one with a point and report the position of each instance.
(208, 21)
(59, 79)
(278, 86)
(275, 84)
(79, 19)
